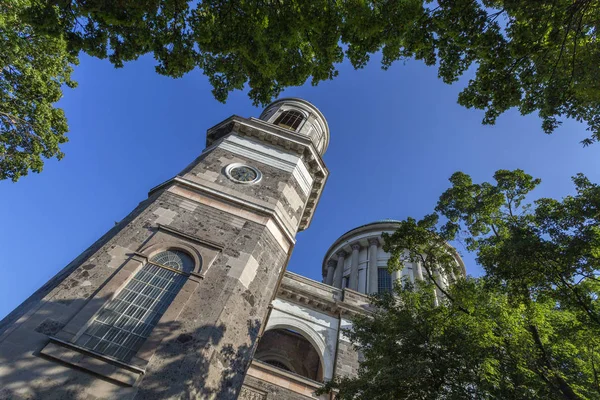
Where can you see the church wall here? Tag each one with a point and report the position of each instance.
(347, 360)
(285, 184)
(219, 325)
(215, 330)
(203, 344)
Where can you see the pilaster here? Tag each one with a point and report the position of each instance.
(373, 273)
(339, 269)
(354, 267)
(331, 264)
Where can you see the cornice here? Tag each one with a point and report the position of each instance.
(322, 297)
(260, 365)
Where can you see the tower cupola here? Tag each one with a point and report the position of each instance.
(301, 117)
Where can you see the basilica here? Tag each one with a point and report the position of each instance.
(189, 297)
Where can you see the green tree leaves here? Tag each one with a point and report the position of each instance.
(497, 349)
(528, 329)
(33, 69)
(537, 56)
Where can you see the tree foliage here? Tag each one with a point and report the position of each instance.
(33, 68)
(538, 56)
(528, 329)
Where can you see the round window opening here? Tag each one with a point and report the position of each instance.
(242, 173)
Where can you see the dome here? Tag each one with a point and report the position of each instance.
(361, 236)
(356, 260)
(300, 117)
(381, 223)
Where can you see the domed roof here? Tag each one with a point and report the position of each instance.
(372, 229)
(381, 221)
(363, 232)
(314, 125)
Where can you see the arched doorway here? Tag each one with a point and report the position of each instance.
(290, 351)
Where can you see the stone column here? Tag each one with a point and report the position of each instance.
(439, 280)
(330, 270)
(354, 267)
(397, 276)
(452, 274)
(373, 273)
(339, 270)
(418, 270)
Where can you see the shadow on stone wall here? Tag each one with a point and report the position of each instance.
(188, 364)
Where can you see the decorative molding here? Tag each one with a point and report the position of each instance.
(341, 253)
(112, 369)
(248, 393)
(356, 246)
(204, 242)
(290, 376)
(233, 166)
(374, 242)
(332, 263)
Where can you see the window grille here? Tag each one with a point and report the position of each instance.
(125, 322)
(384, 280)
(278, 364)
(290, 119)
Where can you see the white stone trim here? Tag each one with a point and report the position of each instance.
(354, 239)
(319, 329)
(244, 271)
(271, 156)
(232, 166)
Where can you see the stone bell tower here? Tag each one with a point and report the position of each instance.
(170, 302)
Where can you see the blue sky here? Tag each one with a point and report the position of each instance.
(396, 137)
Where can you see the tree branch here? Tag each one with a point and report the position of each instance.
(444, 292)
(564, 388)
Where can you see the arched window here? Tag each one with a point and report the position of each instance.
(290, 351)
(384, 280)
(289, 119)
(125, 322)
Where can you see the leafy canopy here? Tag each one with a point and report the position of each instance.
(528, 329)
(33, 68)
(538, 56)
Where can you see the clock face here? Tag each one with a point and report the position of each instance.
(243, 173)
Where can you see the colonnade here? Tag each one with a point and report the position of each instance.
(335, 267)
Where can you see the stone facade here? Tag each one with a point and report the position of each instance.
(320, 313)
(240, 326)
(240, 237)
